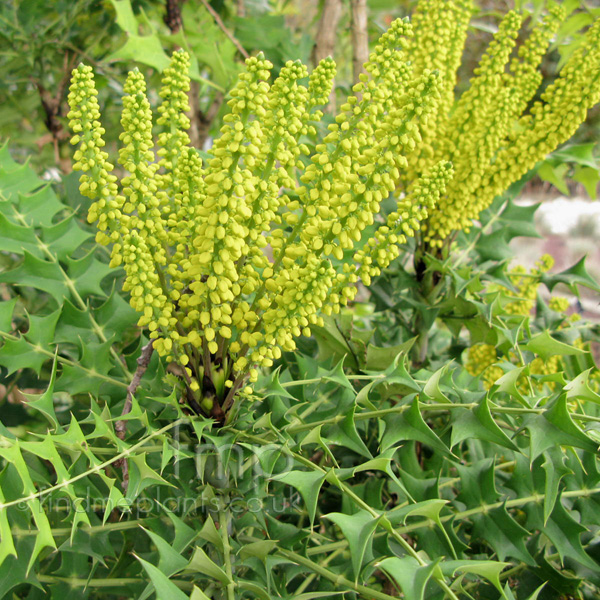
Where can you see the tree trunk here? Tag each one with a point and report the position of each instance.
(360, 38)
(326, 37)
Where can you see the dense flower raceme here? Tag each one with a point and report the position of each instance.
(228, 262)
(485, 359)
(487, 134)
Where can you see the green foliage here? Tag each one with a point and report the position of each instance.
(577, 163)
(209, 45)
(40, 42)
(436, 440)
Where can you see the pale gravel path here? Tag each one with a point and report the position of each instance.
(570, 229)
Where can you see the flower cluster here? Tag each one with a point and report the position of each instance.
(483, 359)
(96, 181)
(228, 262)
(526, 285)
(488, 134)
(437, 45)
(403, 222)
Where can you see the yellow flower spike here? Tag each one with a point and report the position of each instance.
(524, 78)
(136, 155)
(96, 181)
(173, 119)
(559, 304)
(440, 32)
(471, 110)
(481, 359)
(488, 139)
(230, 260)
(320, 83)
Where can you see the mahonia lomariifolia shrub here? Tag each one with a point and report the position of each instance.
(229, 261)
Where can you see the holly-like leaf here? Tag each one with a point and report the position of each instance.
(198, 594)
(555, 428)
(518, 220)
(545, 346)
(555, 470)
(14, 571)
(579, 388)
(384, 464)
(201, 563)
(15, 180)
(44, 403)
(125, 16)
(379, 359)
(409, 574)
(308, 483)
(115, 316)
(537, 592)
(337, 375)
(17, 239)
(141, 476)
(581, 154)
(494, 246)
(64, 238)
(38, 209)
(565, 533)
(40, 274)
(509, 383)
(164, 588)
(272, 387)
(73, 325)
(43, 537)
(258, 590)
(345, 434)
(573, 277)
(7, 548)
(7, 163)
(7, 309)
(259, 550)
(478, 423)
(410, 425)
(210, 533)
(396, 375)
(497, 528)
(432, 387)
(332, 343)
(589, 177)
(170, 561)
(427, 508)
(87, 273)
(554, 174)
(33, 349)
(146, 49)
(18, 354)
(314, 437)
(41, 329)
(358, 530)
(89, 374)
(487, 569)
